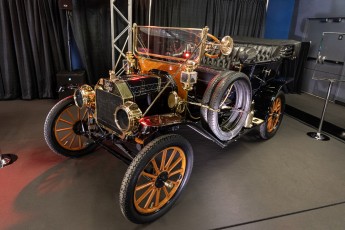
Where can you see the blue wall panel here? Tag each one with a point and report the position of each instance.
(278, 20)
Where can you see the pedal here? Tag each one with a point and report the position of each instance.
(257, 121)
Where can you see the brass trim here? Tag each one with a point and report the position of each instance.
(87, 94)
(133, 113)
(167, 27)
(160, 56)
(197, 59)
(128, 96)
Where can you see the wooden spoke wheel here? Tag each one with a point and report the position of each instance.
(153, 190)
(155, 178)
(69, 126)
(274, 117)
(65, 128)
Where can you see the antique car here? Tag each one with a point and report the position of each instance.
(173, 77)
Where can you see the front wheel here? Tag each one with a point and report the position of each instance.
(274, 117)
(155, 178)
(65, 127)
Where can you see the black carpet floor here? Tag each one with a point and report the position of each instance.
(288, 182)
(308, 109)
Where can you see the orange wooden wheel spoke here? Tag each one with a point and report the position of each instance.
(277, 104)
(64, 129)
(150, 198)
(70, 114)
(158, 194)
(148, 175)
(79, 141)
(278, 108)
(175, 172)
(144, 195)
(63, 120)
(272, 126)
(269, 124)
(276, 122)
(164, 155)
(67, 135)
(175, 163)
(170, 159)
(165, 191)
(137, 188)
(155, 166)
(175, 182)
(70, 144)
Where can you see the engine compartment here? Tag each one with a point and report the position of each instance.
(122, 101)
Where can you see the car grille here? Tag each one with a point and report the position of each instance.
(106, 104)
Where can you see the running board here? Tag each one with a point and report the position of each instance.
(208, 135)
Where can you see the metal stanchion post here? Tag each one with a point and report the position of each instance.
(318, 135)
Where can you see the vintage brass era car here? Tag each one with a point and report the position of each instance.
(173, 77)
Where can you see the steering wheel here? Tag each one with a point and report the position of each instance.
(217, 42)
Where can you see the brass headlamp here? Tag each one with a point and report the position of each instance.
(189, 77)
(84, 96)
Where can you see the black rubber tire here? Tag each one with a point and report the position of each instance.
(209, 90)
(266, 134)
(242, 105)
(49, 131)
(140, 164)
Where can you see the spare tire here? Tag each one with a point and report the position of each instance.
(231, 103)
(209, 90)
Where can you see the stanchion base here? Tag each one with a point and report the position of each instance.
(318, 136)
(7, 159)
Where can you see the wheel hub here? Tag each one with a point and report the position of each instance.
(161, 179)
(78, 128)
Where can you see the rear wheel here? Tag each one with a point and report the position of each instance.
(274, 117)
(155, 178)
(65, 127)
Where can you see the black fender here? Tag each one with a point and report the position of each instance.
(264, 97)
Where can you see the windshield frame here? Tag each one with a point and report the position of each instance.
(167, 58)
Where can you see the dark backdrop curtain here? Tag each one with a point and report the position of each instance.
(236, 17)
(31, 48)
(33, 44)
(223, 17)
(91, 30)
